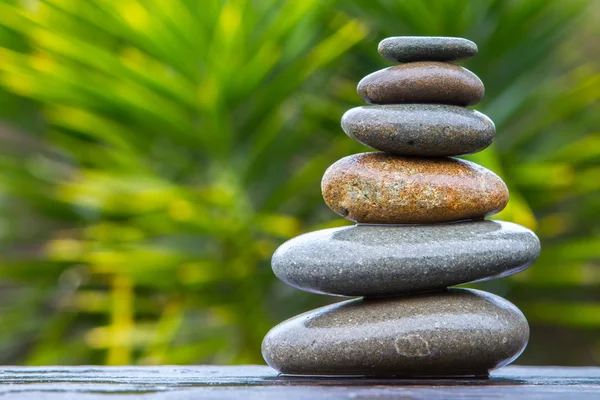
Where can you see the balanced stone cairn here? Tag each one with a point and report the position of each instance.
(420, 229)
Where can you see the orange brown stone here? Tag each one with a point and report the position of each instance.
(422, 82)
(380, 188)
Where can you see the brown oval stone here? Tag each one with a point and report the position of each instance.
(422, 82)
(380, 188)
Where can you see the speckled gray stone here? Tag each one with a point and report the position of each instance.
(426, 48)
(420, 129)
(379, 260)
(458, 332)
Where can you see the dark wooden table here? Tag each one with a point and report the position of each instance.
(259, 382)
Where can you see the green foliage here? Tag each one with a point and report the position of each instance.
(156, 152)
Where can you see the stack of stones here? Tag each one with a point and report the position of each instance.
(420, 229)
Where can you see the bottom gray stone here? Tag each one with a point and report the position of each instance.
(457, 332)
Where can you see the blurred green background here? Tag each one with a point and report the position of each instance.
(156, 152)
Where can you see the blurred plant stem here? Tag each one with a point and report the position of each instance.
(121, 328)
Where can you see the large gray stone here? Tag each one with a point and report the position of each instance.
(379, 260)
(458, 332)
(420, 129)
(426, 48)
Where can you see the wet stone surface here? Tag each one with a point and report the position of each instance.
(458, 332)
(384, 189)
(379, 260)
(426, 48)
(422, 82)
(420, 129)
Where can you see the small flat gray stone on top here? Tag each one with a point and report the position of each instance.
(458, 332)
(380, 260)
(420, 129)
(426, 48)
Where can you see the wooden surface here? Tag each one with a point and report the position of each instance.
(258, 382)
